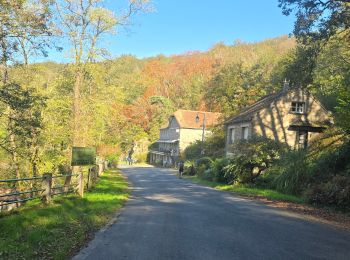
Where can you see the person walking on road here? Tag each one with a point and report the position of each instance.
(181, 169)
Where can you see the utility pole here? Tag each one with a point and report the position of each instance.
(203, 129)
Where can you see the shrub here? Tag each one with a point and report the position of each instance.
(204, 173)
(190, 170)
(230, 173)
(252, 158)
(241, 169)
(268, 179)
(193, 151)
(141, 157)
(218, 169)
(113, 160)
(205, 161)
(213, 146)
(294, 172)
(335, 192)
(331, 163)
(330, 182)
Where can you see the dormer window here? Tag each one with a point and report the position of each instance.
(298, 107)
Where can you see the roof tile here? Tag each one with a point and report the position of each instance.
(187, 118)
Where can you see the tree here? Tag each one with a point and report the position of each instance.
(319, 19)
(321, 61)
(25, 123)
(235, 87)
(85, 23)
(21, 22)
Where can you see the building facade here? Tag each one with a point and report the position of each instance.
(184, 127)
(293, 117)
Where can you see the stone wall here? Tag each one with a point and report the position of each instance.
(274, 120)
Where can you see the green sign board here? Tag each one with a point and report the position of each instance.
(83, 156)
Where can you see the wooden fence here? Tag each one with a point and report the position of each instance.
(46, 187)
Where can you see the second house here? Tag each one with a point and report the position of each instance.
(184, 127)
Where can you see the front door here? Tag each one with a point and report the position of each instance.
(302, 139)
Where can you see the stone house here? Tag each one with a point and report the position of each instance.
(183, 128)
(290, 116)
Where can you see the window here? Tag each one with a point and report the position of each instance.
(245, 133)
(298, 107)
(302, 139)
(231, 135)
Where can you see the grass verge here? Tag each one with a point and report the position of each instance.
(36, 231)
(248, 191)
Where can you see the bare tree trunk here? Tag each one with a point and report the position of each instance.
(77, 108)
(77, 130)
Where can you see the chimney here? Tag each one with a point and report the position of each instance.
(285, 85)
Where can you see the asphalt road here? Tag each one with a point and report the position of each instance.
(169, 218)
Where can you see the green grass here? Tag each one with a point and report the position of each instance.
(249, 191)
(56, 231)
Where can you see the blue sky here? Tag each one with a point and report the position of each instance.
(179, 26)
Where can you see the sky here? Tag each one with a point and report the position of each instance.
(180, 26)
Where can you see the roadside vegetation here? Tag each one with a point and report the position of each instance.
(56, 231)
(319, 175)
(247, 190)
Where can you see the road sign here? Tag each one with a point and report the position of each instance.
(83, 156)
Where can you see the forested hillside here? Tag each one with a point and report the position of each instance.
(111, 103)
(127, 99)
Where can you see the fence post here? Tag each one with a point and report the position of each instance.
(88, 184)
(93, 172)
(46, 185)
(81, 184)
(67, 183)
(100, 169)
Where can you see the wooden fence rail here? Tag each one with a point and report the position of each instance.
(11, 198)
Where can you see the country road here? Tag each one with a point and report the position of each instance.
(171, 218)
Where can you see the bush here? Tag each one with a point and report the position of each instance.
(113, 160)
(213, 147)
(268, 179)
(331, 163)
(205, 173)
(252, 158)
(189, 170)
(335, 192)
(240, 169)
(141, 157)
(205, 161)
(230, 173)
(294, 172)
(218, 169)
(330, 182)
(193, 151)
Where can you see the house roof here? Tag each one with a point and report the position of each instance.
(187, 118)
(247, 113)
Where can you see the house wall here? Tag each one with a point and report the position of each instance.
(188, 136)
(172, 132)
(273, 121)
(238, 134)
